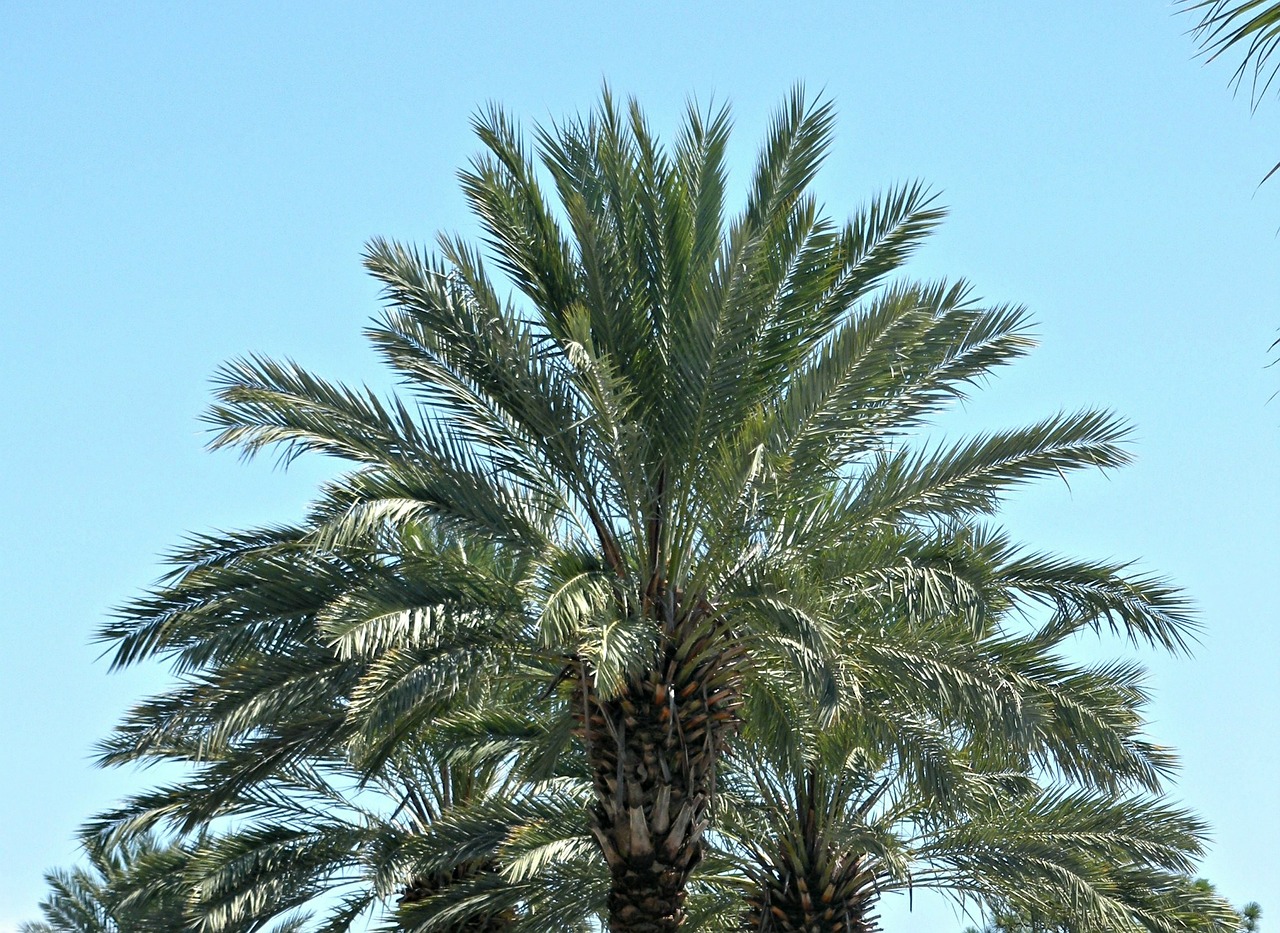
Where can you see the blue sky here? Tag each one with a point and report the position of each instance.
(181, 184)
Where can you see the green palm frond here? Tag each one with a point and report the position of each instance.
(1248, 27)
(969, 477)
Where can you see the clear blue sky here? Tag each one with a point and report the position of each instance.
(183, 183)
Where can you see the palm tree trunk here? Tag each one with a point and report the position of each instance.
(653, 752)
(785, 904)
(803, 884)
(652, 796)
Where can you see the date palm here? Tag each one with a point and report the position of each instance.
(468, 861)
(257, 722)
(1054, 805)
(132, 886)
(633, 458)
(312, 840)
(825, 835)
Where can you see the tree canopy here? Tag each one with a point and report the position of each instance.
(650, 601)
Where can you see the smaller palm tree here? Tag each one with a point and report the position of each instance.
(1196, 901)
(327, 815)
(133, 886)
(1049, 809)
(440, 839)
(823, 836)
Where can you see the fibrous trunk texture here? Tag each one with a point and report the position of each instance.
(806, 885)
(653, 750)
(791, 903)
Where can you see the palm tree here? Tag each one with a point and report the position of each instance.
(626, 469)
(90, 899)
(130, 887)
(1054, 812)
(1251, 27)
(445, 841)
(257, 722)
(824, 836)
(1195, 901)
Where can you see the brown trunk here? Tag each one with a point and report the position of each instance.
(787, 903)
(653, 752)
(805, 885)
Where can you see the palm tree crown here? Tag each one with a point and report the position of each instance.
(656, 493)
